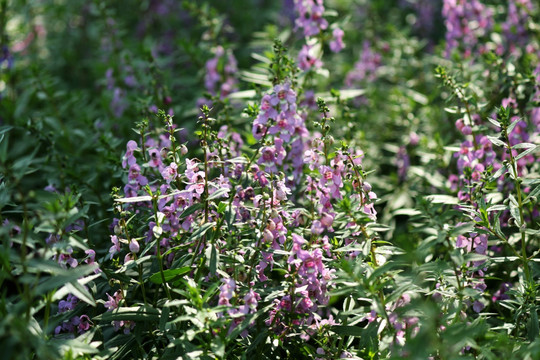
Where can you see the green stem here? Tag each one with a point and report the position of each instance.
(517, 182)
(159, 255)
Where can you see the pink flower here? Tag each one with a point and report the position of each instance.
(307, 58)
(129, 158)
(336, 45)
(113, 301)
(155, 159)
(116, 246)
(134, 246)
(310, 16)
(170, 173)
(226, 291)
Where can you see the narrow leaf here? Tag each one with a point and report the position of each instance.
(169, 274)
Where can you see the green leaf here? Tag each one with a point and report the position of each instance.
(201, 231)
(164, 318)
(462, 229)
(498, 173)
(532, 326)
(261, 79)
(141, 313)
(79, 291)
(416, 96)
(169, 274)
(348, 330)
(407, 212)
(5, 129)
(497, 208)
(496, 141)
(534, 193)
(78, 347)
(146, 197)
(218, 347)
(514, 210)
(378, 227)
(351, 93)
(63, 277)
(494, 122)
(443, 199)
(237, 160)
(222, 207)
(213, 258)
(512, 126)
(454, 110)
(526, 152)
(524, 146)
(246, 94)
(219, 193)
(190, 210)
(134, 199)
(475, 257)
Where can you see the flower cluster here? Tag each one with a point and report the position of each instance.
(310, 19)
(426, 11)
(6, 58)
(466, 23)
(76, 325)
(515, 27)
(310, 16)
(311, 278)
(259, 196)
(112, 303)
(279, 118)
(336, 45)
(365, 69)
(278, 115)
(220, 77)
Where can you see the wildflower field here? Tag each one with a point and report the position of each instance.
(269, 179)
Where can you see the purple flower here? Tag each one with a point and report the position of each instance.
(84, 324)
(310, 16)
(118, 103)
(478, 306)
(135, 175)
(155, 159)
(366, 67)
(91, 259)
(222, 79)
(251, 300)
(66, 259)
(466, 22)
(226, 291)
(129, 158)
(403, 162)
(336, 45)
(116, 246)
(134, 246)
(281, 191)
(501, 293)
(307, 58)
(113, 301)
(515, 28)
(170, 173)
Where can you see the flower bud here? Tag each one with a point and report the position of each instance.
(134, 246)
(268, 236)
(366, 187)
(270, 225)
(327, 220)
(157, 230)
